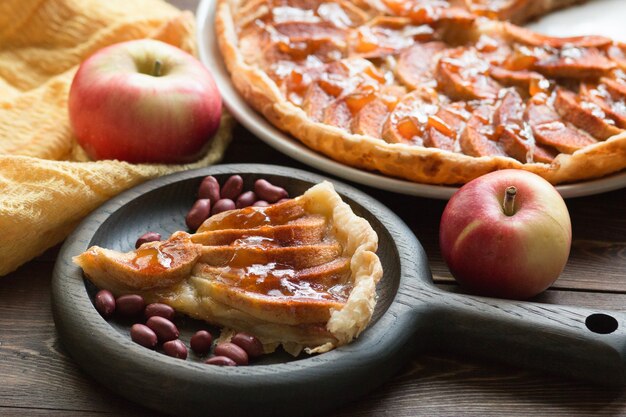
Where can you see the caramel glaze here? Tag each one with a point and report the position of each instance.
(278, 252)
(407, 74)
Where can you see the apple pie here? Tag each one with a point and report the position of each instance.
(432, 91)
(301, 273)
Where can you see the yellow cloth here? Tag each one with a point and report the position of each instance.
(45, 185)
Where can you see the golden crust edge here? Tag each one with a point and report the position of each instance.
(359, 242)
(417, 164)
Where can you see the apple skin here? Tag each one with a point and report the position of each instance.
(493, 254)
(119, 110)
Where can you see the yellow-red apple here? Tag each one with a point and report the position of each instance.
(506, 234)
(144, 101)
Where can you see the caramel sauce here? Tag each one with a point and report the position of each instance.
(441, 126)
(355, 82)
(489, 8)
(410, 119)
(398, 7)
(467, 63)
(153, 260)
(297, 50)
(423, 13)
(249, 266)
(335, 14)
(616, 105)
(257, 242)
(286, 14)
(356, 102)
(390, 101)
(242, 258)
(487, 44)
(331, 85)
(408, 129)
(388, 37)
(366, 41)
(523, 58)
(596, 111)
(246, 218)
(277, 280)
(296, 83)
(419, 14)
(539, 86)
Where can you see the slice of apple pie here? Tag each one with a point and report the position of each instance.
(301, 273)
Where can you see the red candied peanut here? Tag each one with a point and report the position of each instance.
(209, 189)
(232, 187)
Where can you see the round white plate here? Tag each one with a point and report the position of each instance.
(600, 17)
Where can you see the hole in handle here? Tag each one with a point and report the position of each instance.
(601, 323)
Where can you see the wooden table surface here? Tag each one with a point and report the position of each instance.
(37, 377)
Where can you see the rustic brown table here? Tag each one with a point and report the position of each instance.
(37, 377)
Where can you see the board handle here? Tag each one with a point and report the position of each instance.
(570, 341)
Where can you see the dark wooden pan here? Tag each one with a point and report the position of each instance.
(411, 314)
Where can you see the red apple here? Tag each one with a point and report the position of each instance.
(144, 101)
(506, 234)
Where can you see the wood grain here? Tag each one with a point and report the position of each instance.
(42, 380)
(36, 370)
(434, 385)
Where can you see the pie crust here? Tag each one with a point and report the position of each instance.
(301, 273)
(474, 94)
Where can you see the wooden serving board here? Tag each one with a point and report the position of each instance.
(411, 315)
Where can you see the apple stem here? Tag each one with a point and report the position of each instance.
(156, 71)
(509, 200)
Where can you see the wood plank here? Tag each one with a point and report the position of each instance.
(436, 385)
(35, 366)
(22, 411)
(592, 300)
(36, 370)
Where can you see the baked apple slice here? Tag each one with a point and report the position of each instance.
(616, 86)
(515, 134)
(416, 64)
(371, 117)
(425, 12)
(529, 81)
(478, 137)
(551, 130)
(573, 62)
(386, 35)
(408, 121)
(600, 95)
(518, 11)
(445, 126)
(530, 38)
(585, 115)
(462, 74)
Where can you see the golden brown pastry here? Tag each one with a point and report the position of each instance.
(430, 90)
(301, 273)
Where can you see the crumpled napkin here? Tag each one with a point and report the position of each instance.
(47, 185)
